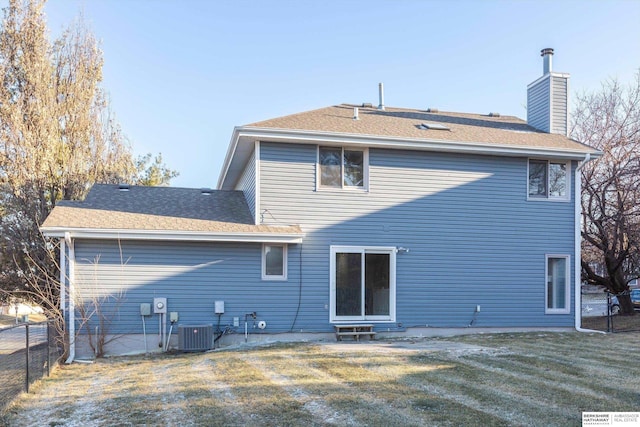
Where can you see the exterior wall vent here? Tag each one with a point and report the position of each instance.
(195, 337)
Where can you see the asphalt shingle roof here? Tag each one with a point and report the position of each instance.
(161, 209)
(405, 123)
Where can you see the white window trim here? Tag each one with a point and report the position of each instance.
(365, 166)
(567, 286)
(266, 276)
(548, 198)
(392, 251)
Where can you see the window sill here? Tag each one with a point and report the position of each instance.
(557, 312)
(548, 199)
(274, 278)
(342, 190)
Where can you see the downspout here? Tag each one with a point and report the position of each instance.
(63, 279)
(577, 249)
(72, 308)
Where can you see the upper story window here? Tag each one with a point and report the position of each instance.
(340, 167)
(549, 179)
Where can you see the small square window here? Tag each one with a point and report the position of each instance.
(274, 262)
(342, 168)
(548, 180)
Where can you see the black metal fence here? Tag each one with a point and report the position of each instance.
(28, 351)
(601, 312)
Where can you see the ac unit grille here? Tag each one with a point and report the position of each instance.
(195, 337)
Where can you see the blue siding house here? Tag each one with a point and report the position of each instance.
(399, 218)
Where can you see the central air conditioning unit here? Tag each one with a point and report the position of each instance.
(195, 337)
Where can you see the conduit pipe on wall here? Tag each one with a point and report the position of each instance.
(577, 249)
(144, 334)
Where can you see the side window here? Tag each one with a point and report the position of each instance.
(342, 168)
(557, 285)
(274, 262)
(548, 180)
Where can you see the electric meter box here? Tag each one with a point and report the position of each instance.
(145, 309)
(159, 305)
(219, 307)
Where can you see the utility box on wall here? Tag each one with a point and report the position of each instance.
(159, 305)
(145, 309)
(219, 307)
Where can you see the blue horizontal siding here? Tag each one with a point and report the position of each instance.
(192, 276)
(539, 104)
(474, 239)
(560, 100)
(247, 183)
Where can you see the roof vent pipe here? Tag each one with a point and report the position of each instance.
(547, 55)
(355, 113)
(381, 94)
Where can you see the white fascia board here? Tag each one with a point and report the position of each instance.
(230, 153)
(313, 137)
(188, 236)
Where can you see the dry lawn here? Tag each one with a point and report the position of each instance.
(544, 379)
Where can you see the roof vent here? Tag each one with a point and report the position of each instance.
(494, 114)
(547, 60)
(433, 126)
(432, 110)
(367, 105)
(205, 191)
(381, 95)
(124, 187)
(355, 113)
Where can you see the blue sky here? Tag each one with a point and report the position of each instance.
(182, 74)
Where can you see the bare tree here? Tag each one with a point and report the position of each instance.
(58, 137)
(609, 120)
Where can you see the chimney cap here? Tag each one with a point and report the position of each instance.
(546, 51)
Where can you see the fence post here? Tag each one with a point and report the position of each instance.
(26, 332)
(609, 320)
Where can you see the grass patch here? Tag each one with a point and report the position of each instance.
(500, 379)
